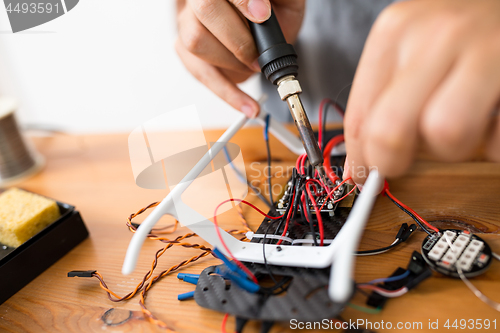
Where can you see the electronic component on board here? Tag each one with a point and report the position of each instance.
(456, 248)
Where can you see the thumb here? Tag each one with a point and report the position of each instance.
(256, 11)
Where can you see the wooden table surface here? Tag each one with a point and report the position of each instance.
(93, 173)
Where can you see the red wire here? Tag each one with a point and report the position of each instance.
(326, 156)
(304, 207)
(386, 191)
(243, 267)
(320, 122)
(345, 196)
(334, 189)
(320, 184)
(303, 163)
(224, 321)
(332, 103)
(297, 164)
(318, 214)
(300, 162)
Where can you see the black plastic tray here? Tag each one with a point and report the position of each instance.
(19, 266)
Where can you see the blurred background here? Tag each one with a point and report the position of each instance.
(105, 66)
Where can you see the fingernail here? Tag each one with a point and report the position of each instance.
(259, 9)
(248, 111)
(256, 66)
(347, 172)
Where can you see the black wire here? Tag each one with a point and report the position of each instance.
(311, 222)
(298, 192)
(279, 285)
(325, 109)
(269, 172)
(283, 281)
(268, 148)
(264, 254)
(412, 216)
(294, 186)
(381, 249)
(287, 210)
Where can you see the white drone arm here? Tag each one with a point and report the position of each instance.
(340, 251)
(166, 206)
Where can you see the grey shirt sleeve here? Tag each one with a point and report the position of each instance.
(329, 46)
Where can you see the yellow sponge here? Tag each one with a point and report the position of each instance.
(23, 215)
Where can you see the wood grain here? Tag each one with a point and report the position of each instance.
(93, 173)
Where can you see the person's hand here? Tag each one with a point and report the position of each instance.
(429, 75)
(216, 46)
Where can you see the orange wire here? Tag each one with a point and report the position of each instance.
(159, 253)
(155, 279)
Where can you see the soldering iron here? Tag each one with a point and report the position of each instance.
(278, 62)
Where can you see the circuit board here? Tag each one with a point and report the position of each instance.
(303, 226)
(286, 285)
(333, 215)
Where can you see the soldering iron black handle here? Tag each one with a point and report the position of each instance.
(277, 58)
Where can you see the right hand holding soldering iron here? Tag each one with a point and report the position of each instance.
(216, 46)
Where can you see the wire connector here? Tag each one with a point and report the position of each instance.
(89, 273)
(185, 296)
(407, 233)
(402, 230)
(182, 276)
(241, 282)
(419, 270)
(229, 264)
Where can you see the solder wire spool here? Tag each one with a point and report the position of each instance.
(18, 160)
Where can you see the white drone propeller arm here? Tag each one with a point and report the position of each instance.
(340, 286)
(341, 250)
(166, 206)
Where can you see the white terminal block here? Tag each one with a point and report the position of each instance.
(469, 255)
(441, 246)
(450, 235)
(454, 252)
